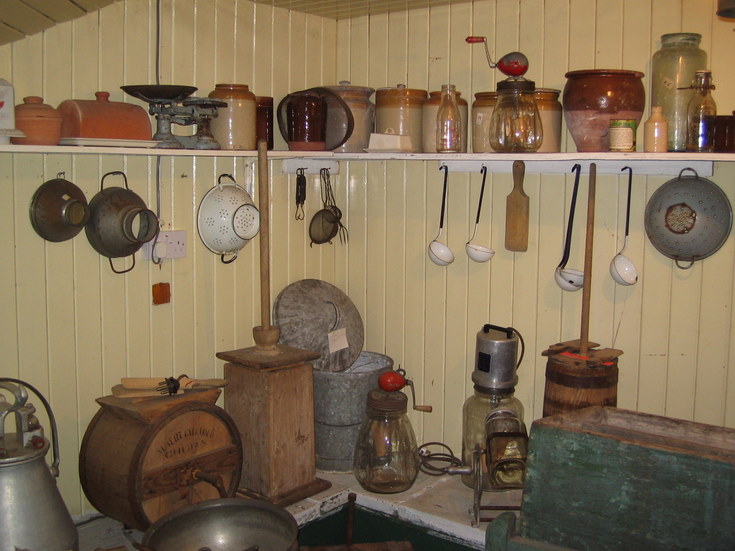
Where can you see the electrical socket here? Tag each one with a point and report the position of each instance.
(170, 244)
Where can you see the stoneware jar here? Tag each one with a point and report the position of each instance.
(40, 122)
(264, 120)
(594, 96)
(234, 125)
(482, 112)
(357, 99)
(399, 111)
(428, 123)
(549, 109)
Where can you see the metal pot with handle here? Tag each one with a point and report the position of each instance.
(119, 222)
(688, 218)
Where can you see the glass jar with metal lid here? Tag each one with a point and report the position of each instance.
(399, 111)
(515, 126)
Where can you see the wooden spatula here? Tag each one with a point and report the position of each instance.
(516, 212)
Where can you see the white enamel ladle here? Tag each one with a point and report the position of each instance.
(567, 278)
(478, 253)
(622, 268)
(439, 253)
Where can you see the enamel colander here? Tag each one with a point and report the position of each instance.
(227, 218)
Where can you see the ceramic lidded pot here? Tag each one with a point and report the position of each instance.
(399, 111)
(594, 96)
(357, 99)
(40, 122)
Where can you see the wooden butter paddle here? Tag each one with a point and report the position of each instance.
(516, 212)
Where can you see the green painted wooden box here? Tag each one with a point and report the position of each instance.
(604, 478)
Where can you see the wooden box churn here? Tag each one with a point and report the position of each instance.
(271, 399)
(604, 478)
(142, 458)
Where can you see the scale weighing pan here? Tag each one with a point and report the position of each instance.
(159, 93)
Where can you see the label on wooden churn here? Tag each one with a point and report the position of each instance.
(337, 340)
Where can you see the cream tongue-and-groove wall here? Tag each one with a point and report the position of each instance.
(72, 328)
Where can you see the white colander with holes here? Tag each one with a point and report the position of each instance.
(227, 219)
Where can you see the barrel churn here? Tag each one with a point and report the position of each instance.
(575, 381)
(144, 458)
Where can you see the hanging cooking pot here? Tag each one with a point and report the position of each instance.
(227, 219)
(688, 219)
(58, 210)
(119, 222)
(316, 119)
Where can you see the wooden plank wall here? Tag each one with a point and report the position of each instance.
(73, 328)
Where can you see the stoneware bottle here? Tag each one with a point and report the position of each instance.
(656, 131)
(234, 125)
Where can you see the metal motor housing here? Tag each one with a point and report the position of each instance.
(496, 358)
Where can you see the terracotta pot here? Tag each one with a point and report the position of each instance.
(592, 97)
(40, 122)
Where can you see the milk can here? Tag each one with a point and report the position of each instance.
(428, 124)
(33, 514)
(399, 111)
(357, 99)
(482, 112)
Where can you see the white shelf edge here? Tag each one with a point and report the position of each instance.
(549, 163)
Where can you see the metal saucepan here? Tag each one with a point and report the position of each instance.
(688, 218)
(227, 524)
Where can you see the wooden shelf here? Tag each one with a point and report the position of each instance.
(547, 163)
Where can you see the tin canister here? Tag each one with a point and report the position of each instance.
(622, 134)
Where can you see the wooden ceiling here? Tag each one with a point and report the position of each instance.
(21, 18)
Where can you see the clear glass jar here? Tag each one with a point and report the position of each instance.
(448, 122)
(474, 414)
(515, 126)
(672, 72)
(701, 113)
(507, 449)
(386, 455)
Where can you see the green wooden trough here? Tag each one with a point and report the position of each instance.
(603, 478)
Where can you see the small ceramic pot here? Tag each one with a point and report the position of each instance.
(40, 122)
(592, 97)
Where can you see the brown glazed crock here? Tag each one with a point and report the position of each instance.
(592, 97)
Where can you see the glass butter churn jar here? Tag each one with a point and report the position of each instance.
(515, 126)
(672, 71)
(492, 418)
(386, 456)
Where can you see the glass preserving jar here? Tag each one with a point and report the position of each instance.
(386, 457)
(515, 126)
(701, 113)
(474, 414)
(672, 72)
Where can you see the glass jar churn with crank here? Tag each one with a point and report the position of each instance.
(386, 457)
(515, 126)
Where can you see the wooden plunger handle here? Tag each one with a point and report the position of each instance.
(265, 268)
(587, 281)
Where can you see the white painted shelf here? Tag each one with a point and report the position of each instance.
(549, 163)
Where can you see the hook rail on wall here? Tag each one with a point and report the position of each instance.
(309, 166)
(562, 166)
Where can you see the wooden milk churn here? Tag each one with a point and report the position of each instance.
(142, 458)
(577, 374)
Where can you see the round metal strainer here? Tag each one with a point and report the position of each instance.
(688, 218)
(227, 218)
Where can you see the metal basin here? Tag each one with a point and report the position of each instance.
(228, 524)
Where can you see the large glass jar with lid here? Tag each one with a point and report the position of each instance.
(515, 126)
(672, 72)
(386, 455)
(474, 415)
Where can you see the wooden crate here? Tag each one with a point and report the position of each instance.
(609, 479)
